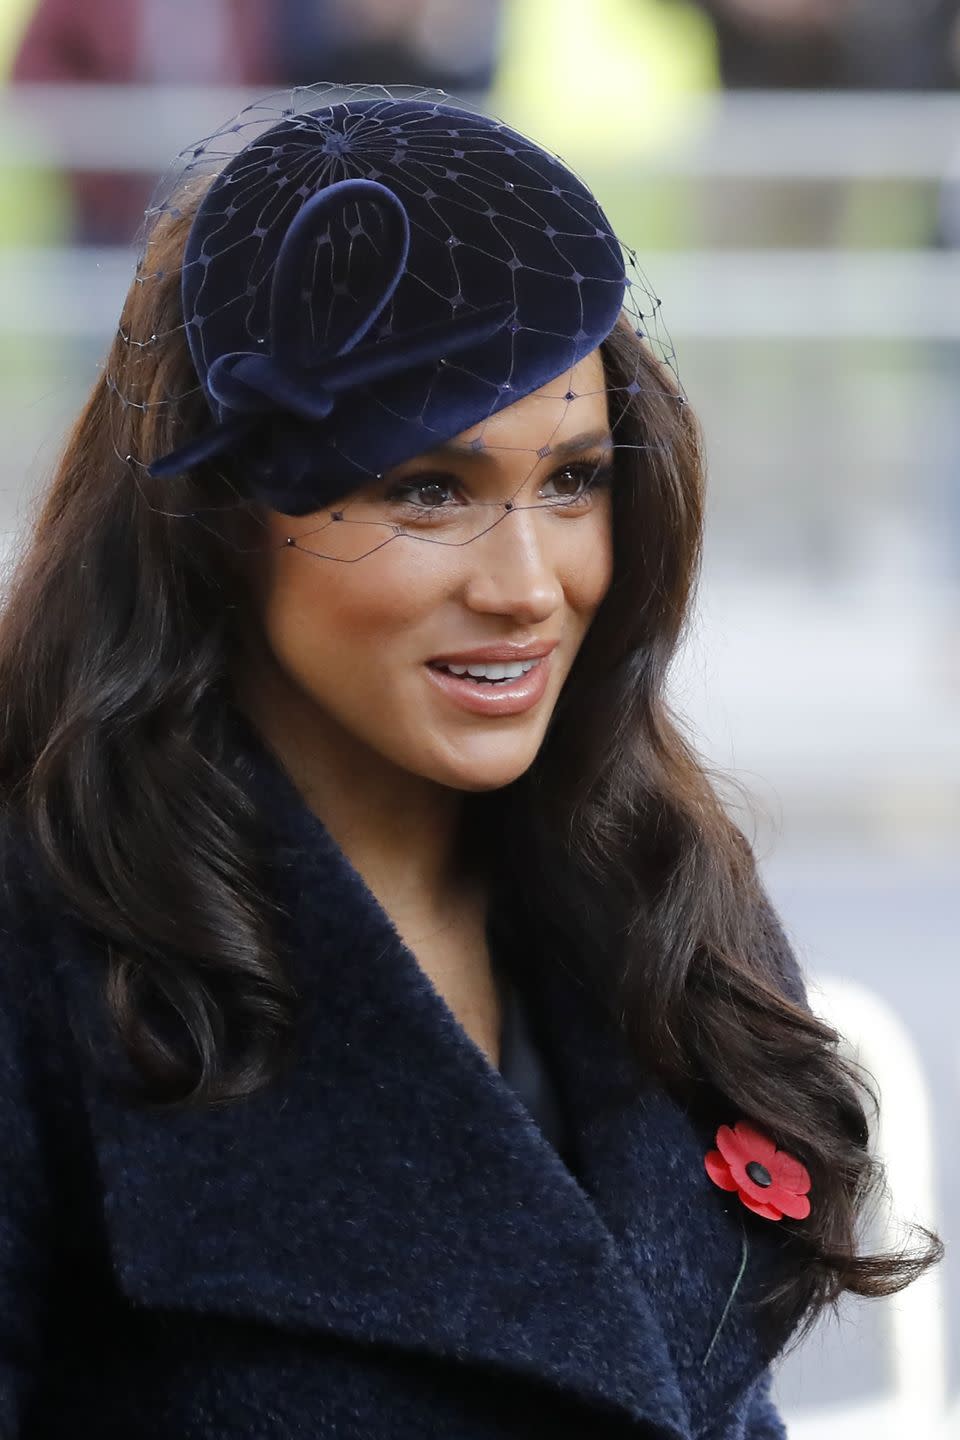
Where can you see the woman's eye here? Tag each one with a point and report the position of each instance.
(582, 475)
(587, 476)
(410, 488)
(574, 481)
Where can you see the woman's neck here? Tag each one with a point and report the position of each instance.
(403, 833)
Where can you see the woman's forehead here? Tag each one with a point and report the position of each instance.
(570, 405)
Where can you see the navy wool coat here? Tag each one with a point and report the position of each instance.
(382, 1245)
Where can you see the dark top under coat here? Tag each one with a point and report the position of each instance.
(524, 1066)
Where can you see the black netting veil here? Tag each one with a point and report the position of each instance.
(368, 277)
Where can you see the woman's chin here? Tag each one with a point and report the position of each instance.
(478, 774)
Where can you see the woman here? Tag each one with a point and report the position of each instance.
(391, 1046)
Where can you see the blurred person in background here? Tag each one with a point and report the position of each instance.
(445, 43)
(450, 44)
(774, 44)
(140, 42)
(807, 45)
(609, 85)
(837, 44)
(608, 89)
(34, 203)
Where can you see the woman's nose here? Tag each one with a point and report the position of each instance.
(513, 566)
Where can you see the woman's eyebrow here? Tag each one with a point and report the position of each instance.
(472, 450)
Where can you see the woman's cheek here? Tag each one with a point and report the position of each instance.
(590, 573)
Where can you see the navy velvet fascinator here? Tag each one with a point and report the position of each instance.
(366, 278)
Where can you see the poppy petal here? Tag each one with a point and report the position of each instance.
(743, 1143)
(796, 1206)
(719, 1171)
(769, 1212)
(728, 1146)
(789, 1173)
(760, 1146)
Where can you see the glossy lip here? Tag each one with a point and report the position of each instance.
(490, 654)
(507, 699)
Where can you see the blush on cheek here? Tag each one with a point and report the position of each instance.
(588, 582)
(337, 632)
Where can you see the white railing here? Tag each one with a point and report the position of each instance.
(758, 134)
(916, 1402)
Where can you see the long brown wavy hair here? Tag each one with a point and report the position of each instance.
(121, 623)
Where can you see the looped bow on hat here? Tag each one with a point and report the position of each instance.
(301, 378)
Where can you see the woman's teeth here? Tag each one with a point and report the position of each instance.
(491, 673)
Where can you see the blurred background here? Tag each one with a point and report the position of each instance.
(789, 173)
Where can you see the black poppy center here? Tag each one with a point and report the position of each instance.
(759, 1174)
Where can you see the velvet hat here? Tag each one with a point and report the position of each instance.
(364, 280)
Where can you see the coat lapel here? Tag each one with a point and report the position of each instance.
(391, 1188)
(681, 1241)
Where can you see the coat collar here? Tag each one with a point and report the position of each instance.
(393, 1189)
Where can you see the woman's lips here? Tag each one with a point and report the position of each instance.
(508, 697)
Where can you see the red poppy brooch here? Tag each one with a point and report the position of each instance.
(770, 1182)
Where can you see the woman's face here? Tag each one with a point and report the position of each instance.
(350, 645)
